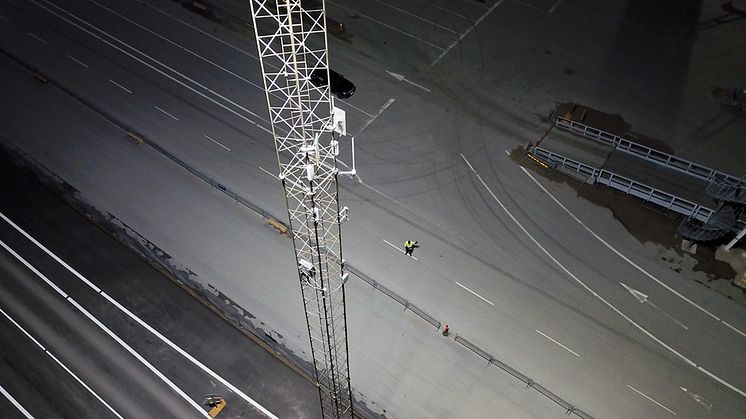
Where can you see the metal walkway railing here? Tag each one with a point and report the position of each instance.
(644, 152)
(626, 185)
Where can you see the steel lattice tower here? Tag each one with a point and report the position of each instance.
(292, 43)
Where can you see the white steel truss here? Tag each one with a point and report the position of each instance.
(292, 43)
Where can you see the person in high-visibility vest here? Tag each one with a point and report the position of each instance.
(409, 246)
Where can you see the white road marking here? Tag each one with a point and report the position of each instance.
(77, 61)
(396, 247)
(734, 329)
(389, 27)
(120, 86)
(563, 346)
(443, 9)
(140, 358)
(146, 326)
(373, 117)
(166, 113)
(651, 399)
(595, 294)
(151, 66)
(46, 351)
(507, 152)
(697, 398)
(187, 50)
(529, 5)
(268, 172)
(352, 106)
(463, 35)
(643, 298)
(623, 257)
(404, 79)
(15, 403)
(215, 141)
(4, 18)
(555, 6)
(484, 299)
(38, 38)
(416, 17)
(205, 33)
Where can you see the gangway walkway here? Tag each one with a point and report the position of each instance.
(654, 176)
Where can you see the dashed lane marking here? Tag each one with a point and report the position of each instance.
(120, 86)
(78, 61)
(215, 141)
(625, 258)
(396, 247)
(173, 117)
(563, 346)
(268, 172)
(594, 293)
(483, 299)
(38, 38)
(651, 399)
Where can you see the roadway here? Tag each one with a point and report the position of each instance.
(89, 329)
(536, 284)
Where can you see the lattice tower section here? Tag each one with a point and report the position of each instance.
(292, 43)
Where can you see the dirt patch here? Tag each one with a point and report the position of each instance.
(611, 123)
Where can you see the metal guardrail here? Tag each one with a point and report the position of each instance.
(656, 196)
(628, 186)
(569, 408)
(644, 152)
(394, 296)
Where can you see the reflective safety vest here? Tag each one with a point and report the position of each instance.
(408, 243)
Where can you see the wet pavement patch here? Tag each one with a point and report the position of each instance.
(647, 223)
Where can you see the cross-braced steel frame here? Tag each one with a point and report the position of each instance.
(292, 43)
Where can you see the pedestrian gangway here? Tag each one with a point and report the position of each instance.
(671, 182)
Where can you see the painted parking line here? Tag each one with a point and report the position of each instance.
(563, 346)
(120, 86)
(410, 14)
(484, 299)
(444, 10)
(409, 35)
(463, 35)
(651, 399)
(378, 113)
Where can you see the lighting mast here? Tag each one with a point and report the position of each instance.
(292, 43)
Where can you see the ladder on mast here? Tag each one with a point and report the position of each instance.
(292, 43)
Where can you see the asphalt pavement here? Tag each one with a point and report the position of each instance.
(518, 265)
(69, 349)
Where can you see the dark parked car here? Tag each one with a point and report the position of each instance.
(340, 86)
